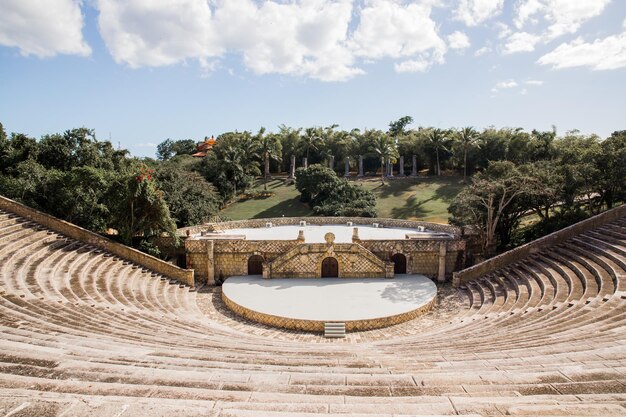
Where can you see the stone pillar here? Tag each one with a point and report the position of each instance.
(355, 235)
(267, 267)
(210, 264)
(414, 166)
(331, 162)
(401, 166)
(292, 167)
(390, 168)
(300, 238)
(360, 166)
(443, 250)
(305, 162)
(347, 173)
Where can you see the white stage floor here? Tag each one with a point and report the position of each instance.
(331, 299)
(315, 233)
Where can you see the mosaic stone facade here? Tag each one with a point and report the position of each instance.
(435, 256)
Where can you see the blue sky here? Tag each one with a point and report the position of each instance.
(142, 71)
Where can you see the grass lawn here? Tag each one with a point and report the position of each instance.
(423, 198)
(285, 201)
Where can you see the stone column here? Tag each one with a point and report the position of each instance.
(401, 166)
(414, 166)
(441, 277)
(355, 235)
(210, 264)
(300, 238)
(390, 168)
(331, 162)
(305, 162)
(292, 167)
(347, 173)
(360, 166)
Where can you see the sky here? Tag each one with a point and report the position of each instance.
(142, 71)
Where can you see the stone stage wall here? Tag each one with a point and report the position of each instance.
(436, 257)
(318, 326)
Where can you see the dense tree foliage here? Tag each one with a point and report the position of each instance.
(190, 198)
(330, 195)
(77, 178)
(510, 173)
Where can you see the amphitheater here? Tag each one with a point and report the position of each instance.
(93, 328)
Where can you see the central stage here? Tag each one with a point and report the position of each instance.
(306, 304)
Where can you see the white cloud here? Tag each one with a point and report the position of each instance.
(43, 29)
(474, 12)
(513, 85)
(299, 38)
(503, 30)
(506, 84)
(458, 40)
(602, 54)
(156, 32)
(563, 16)
(521, 42)
(389, 29)
(526, 9)
(482, 51)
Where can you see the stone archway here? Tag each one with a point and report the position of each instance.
(399, 263)
(255, 265)
(330, 268)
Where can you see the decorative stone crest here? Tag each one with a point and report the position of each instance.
(329, 238)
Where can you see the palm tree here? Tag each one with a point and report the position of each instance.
(383, 147)
(235, 163)
(310, 140)
(438, 139)
(269, 147)
(467, 137)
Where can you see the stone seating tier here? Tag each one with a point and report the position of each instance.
(84, 332)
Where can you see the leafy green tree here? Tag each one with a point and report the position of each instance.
(313, 181)
(438, 138)
(467, 138)
(398, 128)
(25, 182)
(384, 148)
(330, 195)
(270, 149)
(494, 203)
(545, 198)
(184, 147)
(289, 139)
(165, 150)
(191, 199)
(612, 165)
(311, 139)
(577, 161)
(140, 207)
(80, 196)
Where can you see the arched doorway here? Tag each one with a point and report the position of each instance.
(255, 265)
(330, 268)
(399, 263)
